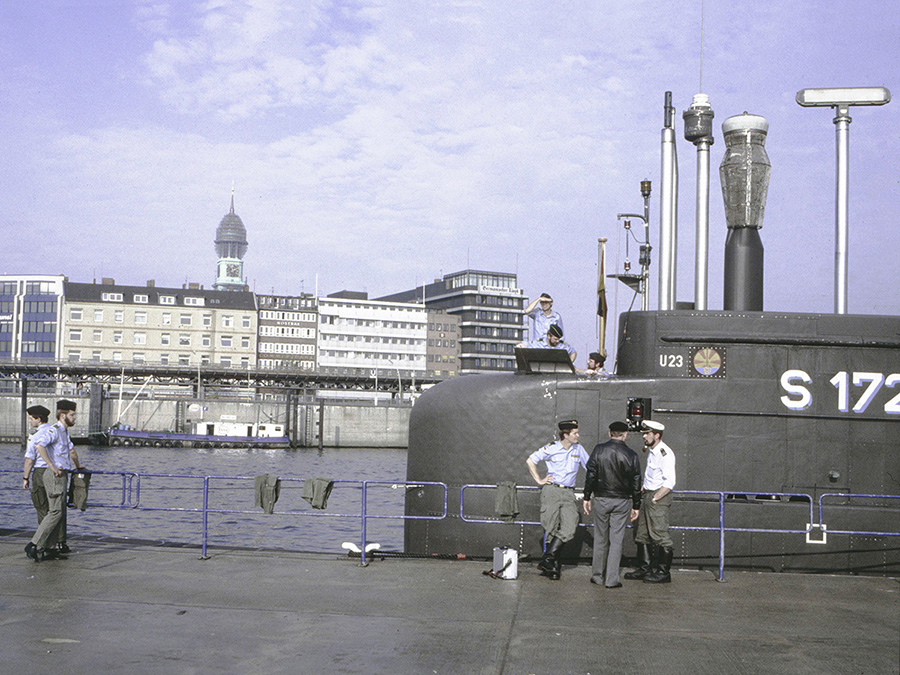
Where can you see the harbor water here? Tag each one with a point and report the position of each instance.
(163, 504)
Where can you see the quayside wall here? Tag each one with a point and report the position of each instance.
(342, 424)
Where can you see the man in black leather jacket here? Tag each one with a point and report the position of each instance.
(612, 493)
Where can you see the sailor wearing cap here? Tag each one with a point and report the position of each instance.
(554, 340)
(559, 512)
(542, 317)
(653, 523)
(595, 365)
(57, 451)
(38, 418)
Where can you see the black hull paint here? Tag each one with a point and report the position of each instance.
(777, 405)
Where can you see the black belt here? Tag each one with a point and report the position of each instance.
(565, 487)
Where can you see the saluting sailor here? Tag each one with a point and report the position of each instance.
(559, 511)
(652, 538)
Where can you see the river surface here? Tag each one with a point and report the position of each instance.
(171, 491)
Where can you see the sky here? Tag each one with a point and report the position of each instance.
(376, 145)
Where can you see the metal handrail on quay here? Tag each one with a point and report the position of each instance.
(812, 527)
(129, 495)
(131, 499)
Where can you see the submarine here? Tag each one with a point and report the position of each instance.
(782, 423)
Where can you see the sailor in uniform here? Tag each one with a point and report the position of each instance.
(38, 417)
(542, 318)
(559, 511)
(553, 340)
(652, 538)
(54, 447)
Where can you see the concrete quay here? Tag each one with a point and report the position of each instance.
(133, 607)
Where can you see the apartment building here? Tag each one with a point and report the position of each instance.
(185, 326)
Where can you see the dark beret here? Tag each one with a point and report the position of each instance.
(618, 427)
(65, 404)
(38, 411)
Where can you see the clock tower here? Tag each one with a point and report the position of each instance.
(231, 245)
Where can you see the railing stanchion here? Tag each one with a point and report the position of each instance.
(362, 553)
(203, 555)
(721, 537)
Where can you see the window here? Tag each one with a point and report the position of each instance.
(119, 316)
(75, 356)
(186, 320)
(227, 321)
(184, 360)
(245, 322)
(167, 299)
(117, 337)
(204, 360)
(74, 336)
(184, 340)
(98, 336)
(117, 356)
(245, 342)
(165, 339)
(141, 299)
(95, 355)
(197, 302)
(75, 314)
(140, 338)
(206, 340)
(225, 361)
(164, 359)
(138, 357)
(207, 319)
(225, 341)
(140, 317)
(98, 315)
(111, 297)
(166, 319)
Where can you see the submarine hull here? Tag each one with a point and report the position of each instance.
(778, 415)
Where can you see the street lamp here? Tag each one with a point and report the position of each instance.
(841, 99)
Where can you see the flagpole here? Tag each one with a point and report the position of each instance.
(601, 294)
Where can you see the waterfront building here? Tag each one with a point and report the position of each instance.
(287, 331)
(489, 306)
(30, 313)
(443, 349)
(359, 336)
(184, 326)
(231, 245)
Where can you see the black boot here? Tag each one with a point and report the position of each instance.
(549, 564)
(661, 574)
(643, 555)
(33, 552)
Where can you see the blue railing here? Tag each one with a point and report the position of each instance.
(129, 493)
(721, 499)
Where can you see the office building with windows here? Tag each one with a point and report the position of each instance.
(30, 312)
(288, 328)
(443, 349)
(489, 307)
(184, 326)
(371, 337)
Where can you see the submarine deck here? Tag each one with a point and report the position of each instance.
(136, 607)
